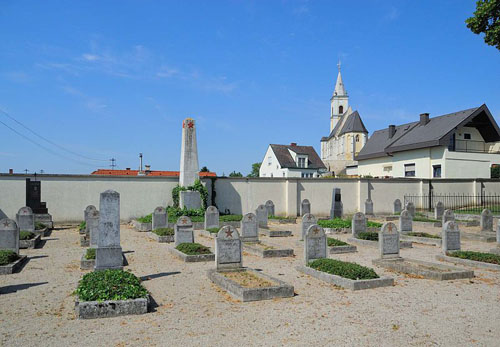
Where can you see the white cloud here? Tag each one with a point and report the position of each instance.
(90, 57)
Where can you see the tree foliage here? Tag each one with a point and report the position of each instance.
(204, 169)
(486, 20)
(495, 171)
(235, 174)
(255, 170)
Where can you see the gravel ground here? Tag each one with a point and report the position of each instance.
(37, 305)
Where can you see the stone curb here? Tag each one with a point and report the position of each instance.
(423, 240)
(111, 308)
(267, 253)
(24, 244)
(282, 290)
(161, 239)
(482, 236)
(276, 233)
(343, 249)
(43, 232)
(401, 265)
(89, 264)
(346, 282)
(374, 244)
(424, 224)
(13, 267)
(207, 234)
(192, 258)
(139, 226)
(283, 221)
(468, 262)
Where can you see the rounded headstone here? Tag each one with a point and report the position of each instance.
(388, 241)
(307, 220)
(405, 222)
(25, 211)
(358, 224)
(315, 243)
(249, 228)
(228, 248)
(9, 235)
(486, 220)
(397, 206)
(450, 236)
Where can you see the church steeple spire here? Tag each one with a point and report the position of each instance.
(339, 101)
(339, 86)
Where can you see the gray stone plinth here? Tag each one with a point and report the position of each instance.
(211, 218)
(13, 267)
(161, 239)
(45, 219)
(276, 233)
(468, 262)
(425, 269)
(423, 240)
(346, 282)
(189, 168)
(89, 264)
(484, 236)
(343, 249)
(84, 241)
(190, 199)
(374, 244)
(108, 258)
(280, 290)
(192, 258)
(253, 248)
(111, 308)
(139, 226)
(23, 244)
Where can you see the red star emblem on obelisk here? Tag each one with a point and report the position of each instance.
(190, 125)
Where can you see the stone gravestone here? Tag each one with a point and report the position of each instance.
(397, 206)
(388, 241)
(498, 233)
(228, 249)
(358, 224)
(89, 209)
(405, 222)
(307, 220)
(183, 231)
(270, 208)
(211, 217)
(438, 210)
(160, 218)
(109, 252)
(486, 220)
(305, 207)
(33, 197)
(249, 228)
(369, 207)
(450, 236)
(261, 214)
(93, 226)
(25, 219)
(190, 199)
(448, 216)
(9, 235)
(337, 207)
(314, 244)
(410, 207)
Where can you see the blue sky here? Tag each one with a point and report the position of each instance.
(107, 79)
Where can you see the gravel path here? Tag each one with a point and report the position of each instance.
(37, 306)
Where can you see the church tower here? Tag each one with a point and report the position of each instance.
(339, 103)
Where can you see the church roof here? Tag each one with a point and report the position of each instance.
(353, 123)
(436, 132)
(339, 86)
(285, 159)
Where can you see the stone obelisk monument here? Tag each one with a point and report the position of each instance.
(189, 171)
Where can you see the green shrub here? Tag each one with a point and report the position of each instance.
(39, 226)
(195, 215)
(110, 285)
(146, 219)
(352, 271)
(477, 256)
(164, 231)
(197, 186)
(82, 225)
(231, 218)
(213, 230)
(371, 224)
(418, 234)
(7, 257)
(338, 223)
(193, 249)
(334, 242)
(26, 235)
(90, 254)
(368, 235)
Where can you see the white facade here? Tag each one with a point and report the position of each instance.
(271, 166)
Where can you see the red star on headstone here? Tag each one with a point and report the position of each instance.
(389, 227)
(309, 217)
(184, 221)
(229, 233)
(6, 223)
(250, 217)
(316, 230)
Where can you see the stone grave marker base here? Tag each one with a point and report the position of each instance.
(374, 244)
(45, 232)
(423, 240)
(425, 269)
(259, 249)
(89, 264)
(139, 226)
(275, 233)
(24, 244)
(13, 267)
(44, 219)
(484, 236)
(161, 239)
(343, 249)
(279, 290)
(283, 221)
(111, 308)
(467, 262)
(192, 258)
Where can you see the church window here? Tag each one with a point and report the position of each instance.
(357, 138)
(341, 109)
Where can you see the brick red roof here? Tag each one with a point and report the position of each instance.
(150, 173)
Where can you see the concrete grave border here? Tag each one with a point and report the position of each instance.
(275, 233)
(89, 264)
(13, 267)
(423, 240)
(399, 265)
(191, 258)
(484, 236)
(250, 247)
(282, 221)
(43, 232)
(161, 239)
(30, 244)
(468, 262)
(342, 249)
(374, 244)
(139, 226)
(111, 308)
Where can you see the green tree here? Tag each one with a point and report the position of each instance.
(495, 171)
(235, 174)
(486, 20)
(255, 170)
(204, 169)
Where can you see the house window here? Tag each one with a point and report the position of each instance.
(436, 170)
(341, 109)
(269, 160)
(410, 170)
(357, 138)
(388, 168)
(466, 136)
(302, 162)
(283, 174)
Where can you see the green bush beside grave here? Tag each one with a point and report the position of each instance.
(164, 231)
(26, 235)
(368, 235)
(82, 226)
(110, 285)
(418, 234)
(231, 218)
(90, 254)
(197, 186)
(196, 216)
(193, 249)
(213, 230)
(352, 271)
(7, 257)
(477, 256)
(40, 226)
(334, 242)
(146, 219)
(338, 223)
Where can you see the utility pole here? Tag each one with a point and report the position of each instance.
(113, 163)
(26, 171)
(140, 160)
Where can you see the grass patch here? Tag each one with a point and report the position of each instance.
(231, 218)
(110, 285)
(368, 235)
(279, 217)
(164, 231)
(82, 226)
(339, 223)
(213, 230)
(146, 219)
(247, 279)
(193, 249)
(7, 257)
(424, 235)
(26, 235)
(90, 254)
(334, 242)
(477, 256)
(40, 226)
(196, 216)
(352, 271)
(419, 217)
(478, 210)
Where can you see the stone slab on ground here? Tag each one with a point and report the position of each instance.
(275, 233)
(111, 308)
(425, 269)
(24, 244)
(13, 267)
(467, 262)
(343, 249)
(468, 223)
(282, 221)
(253, 248)
(45, 219)
(139, 226)
(484, 236)
(280, 290)
(423, 240)
(369, 243)
(346, 282)
(45, 232)
(391, 218)
(417, 224)
(89, 264)
(207, 233)
(192, 258)
(161, 239)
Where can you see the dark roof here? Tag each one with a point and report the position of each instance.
(436, 132)
(353, 123)
(286, 161)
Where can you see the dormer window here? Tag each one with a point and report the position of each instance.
(302, 162)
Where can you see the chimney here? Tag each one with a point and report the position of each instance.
(11, 171)
(128, 169)
(148, 168)
(392, 131)
(424, 118)
(293, 144)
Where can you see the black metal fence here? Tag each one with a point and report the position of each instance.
(460, 203)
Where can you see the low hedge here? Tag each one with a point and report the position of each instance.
(26, 235)
(40, 226)
(82, 226)
(146, 219)
(368, 235)
(110, 285)
(334, 242)
(196, 216)
(193, 249)
(164, 231)
(7, 257)
(213, 230)
(344, 269)
(90, 254)
(418, 234)
(338, 223)
(231, 218)
(477, 256)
